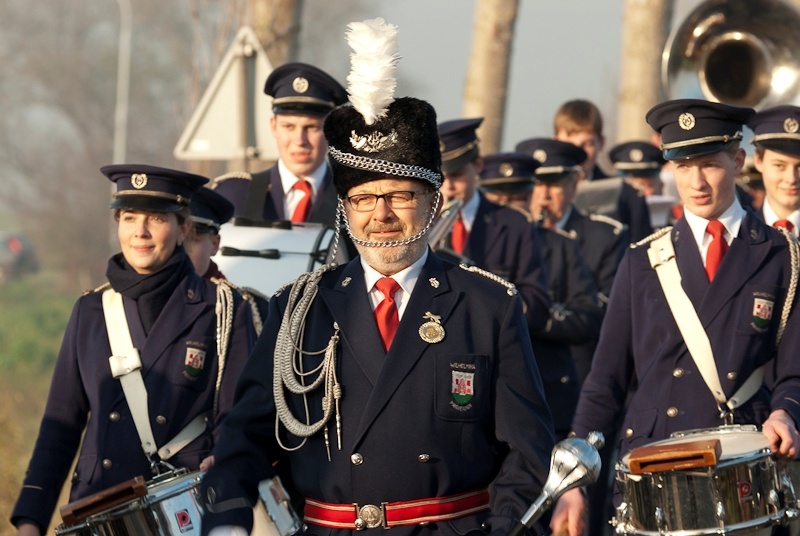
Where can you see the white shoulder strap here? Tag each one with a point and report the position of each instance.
(662, 258)
(126, 365)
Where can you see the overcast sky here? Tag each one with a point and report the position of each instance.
(563, 49)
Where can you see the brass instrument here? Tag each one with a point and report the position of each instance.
(440, 230)
(739, 52)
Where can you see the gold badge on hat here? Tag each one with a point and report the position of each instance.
(506, 169)
(686, 121)
(432, 331)
(540, 155)
(790, 125)
(139, 180)
(300, 84)
(636, 155)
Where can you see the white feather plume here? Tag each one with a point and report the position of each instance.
(371, 81)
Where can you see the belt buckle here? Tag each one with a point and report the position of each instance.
(370, 516)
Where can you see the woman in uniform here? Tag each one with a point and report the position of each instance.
(190, 336)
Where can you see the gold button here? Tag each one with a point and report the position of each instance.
(629, 433)
(678, 372)
(357, 459)
(672, 411)
(107, 464)
(113, 417)
(161, 419)
(731, 376)
(564, 379)
(424, 458)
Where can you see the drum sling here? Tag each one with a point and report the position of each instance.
(662, 258)
(126, 365)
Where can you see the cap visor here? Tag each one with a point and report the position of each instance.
(691, 151)
(153, 204)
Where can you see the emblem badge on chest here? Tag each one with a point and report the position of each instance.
(762, 313)
(463, 387)
(194, 361)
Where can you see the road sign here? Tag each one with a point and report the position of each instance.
(232, 119)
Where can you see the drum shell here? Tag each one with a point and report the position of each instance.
(741, 493)
(172, 506)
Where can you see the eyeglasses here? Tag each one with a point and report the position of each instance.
(368, 202)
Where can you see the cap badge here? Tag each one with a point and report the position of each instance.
(434, 282)
(686, 121)
(300, 84)
(372, 143)
(431, 331)
(540, 155)
(506, 169)
(139, 180)
(790, 125)
(636, 155)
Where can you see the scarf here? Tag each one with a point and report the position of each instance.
(150, 291)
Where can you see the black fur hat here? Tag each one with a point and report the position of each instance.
(377, 136)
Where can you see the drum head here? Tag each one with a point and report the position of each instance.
(265, 258)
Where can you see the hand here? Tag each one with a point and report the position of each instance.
(207, 463)
(782, 434)
(568, 514)
(28, 529)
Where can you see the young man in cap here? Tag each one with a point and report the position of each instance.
(209, 211)
(492, 237)
(580, 123)
(732, 274)
(640, 164)
(602, 240)
(406, 385)
(574, 318)
(777, 158)
(298, 187)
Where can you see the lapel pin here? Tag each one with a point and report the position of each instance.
(434, 283)
(346, 281)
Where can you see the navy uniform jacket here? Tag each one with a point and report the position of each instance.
(632, 209)
(602, 246)
(503, 242)
(403, 435)
(323, 210)
(640, 341)
(575, 317)
(84, 395)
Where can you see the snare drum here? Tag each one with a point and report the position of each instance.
(745, 490)
(170, 507)
(266, 258)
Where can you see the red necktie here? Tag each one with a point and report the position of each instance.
(458, 235)
(386, 312)
(717, 248)
(784, 224)
(302, 209)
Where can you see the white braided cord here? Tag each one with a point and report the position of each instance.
(794, 256)
(289, 373)
(224, 313)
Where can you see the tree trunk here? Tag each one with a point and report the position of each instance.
(487, 75)
(645, 27)
(277, 25)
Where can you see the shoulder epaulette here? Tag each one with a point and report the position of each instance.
(567, 234)
(101, 288)
(528, 215)
(511, 290)
(602, 218)
(646, 240)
